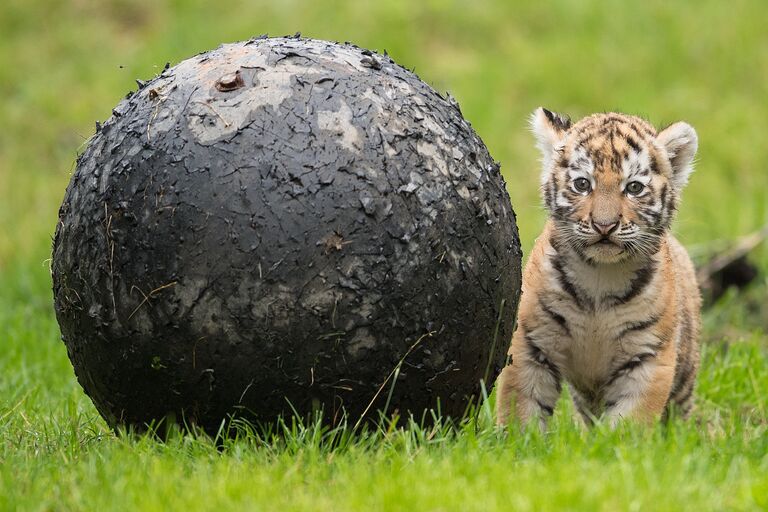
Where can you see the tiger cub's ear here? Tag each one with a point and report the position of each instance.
(681, 142)
(549, 129)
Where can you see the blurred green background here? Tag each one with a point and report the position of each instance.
(66, 64)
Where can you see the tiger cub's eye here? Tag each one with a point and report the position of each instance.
(581, 185)
(634, 187)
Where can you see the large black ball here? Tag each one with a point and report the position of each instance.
(275, 227)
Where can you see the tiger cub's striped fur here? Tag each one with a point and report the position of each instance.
(610, 302)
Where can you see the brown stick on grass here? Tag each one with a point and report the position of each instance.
(708, 275)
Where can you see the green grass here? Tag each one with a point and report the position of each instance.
(64, 65)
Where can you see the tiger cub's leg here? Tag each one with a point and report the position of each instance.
(530, 382)
(640, 389)
(681, 396)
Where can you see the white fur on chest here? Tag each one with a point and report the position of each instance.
(597, 347)
(597, 341)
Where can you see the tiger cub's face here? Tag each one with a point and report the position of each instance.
(611, 182)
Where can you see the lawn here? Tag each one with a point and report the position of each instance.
(64, 65)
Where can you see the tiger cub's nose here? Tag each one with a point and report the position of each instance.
(605, 229)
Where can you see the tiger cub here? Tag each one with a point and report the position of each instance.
(610, 301)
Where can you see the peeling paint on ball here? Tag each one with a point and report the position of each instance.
(271, 227)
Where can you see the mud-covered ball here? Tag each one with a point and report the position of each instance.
(283, 226)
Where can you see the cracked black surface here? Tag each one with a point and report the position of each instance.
(278, 221)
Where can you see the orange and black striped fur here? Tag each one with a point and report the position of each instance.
(610, 302)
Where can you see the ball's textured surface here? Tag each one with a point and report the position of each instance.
(275, 225)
